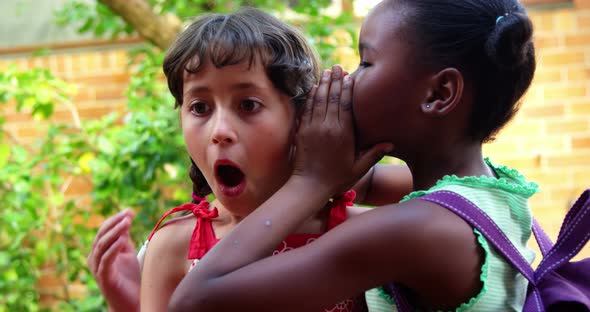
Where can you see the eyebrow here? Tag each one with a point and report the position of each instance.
(363, 45)
(246, 85)
(237, 86)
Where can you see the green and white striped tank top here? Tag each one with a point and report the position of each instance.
(505, 200)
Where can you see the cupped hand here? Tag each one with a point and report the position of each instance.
(325, 144)
(113, 263)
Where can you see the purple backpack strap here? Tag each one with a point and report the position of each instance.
(399, 297)
(484, 224)
(574, 234)
(543, 240)
(576, 211)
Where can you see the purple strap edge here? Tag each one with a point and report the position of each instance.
(543, 240)
(400, 299)
(574, 211)
(573, 238)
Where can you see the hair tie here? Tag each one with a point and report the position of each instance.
(500, 18)
(197, 198)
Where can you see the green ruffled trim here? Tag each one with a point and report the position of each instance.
(483, 277)
(509, 180)
(383, 294)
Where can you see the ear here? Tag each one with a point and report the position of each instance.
(446, 91)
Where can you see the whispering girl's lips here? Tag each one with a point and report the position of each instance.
(230, 178)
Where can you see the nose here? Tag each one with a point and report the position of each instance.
(223, 130)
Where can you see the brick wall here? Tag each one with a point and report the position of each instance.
(549, 140)
(102, 78)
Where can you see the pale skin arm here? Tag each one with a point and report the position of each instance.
(165, 264)
(345, 261)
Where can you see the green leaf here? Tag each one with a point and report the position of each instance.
(4, 154)
(10, 275)
(43, 110)
(4, 259)
(105, 145)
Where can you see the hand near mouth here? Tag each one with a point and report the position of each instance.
(325, 153)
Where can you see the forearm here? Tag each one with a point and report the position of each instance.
(254, 238)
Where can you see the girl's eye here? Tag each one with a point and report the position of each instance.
(199, 108)
(249, 106)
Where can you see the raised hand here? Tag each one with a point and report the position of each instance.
(114, 265)
(325, 140)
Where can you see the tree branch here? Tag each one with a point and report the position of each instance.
(160, 30)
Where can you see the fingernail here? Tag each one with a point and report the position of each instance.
(336, 71)
(327, 73)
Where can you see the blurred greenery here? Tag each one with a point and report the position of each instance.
(135, 159)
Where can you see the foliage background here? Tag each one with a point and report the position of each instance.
(133, 159)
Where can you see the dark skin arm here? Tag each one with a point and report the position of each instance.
(347, 260)
(418, 244)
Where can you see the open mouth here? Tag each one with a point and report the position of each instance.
(229, 175)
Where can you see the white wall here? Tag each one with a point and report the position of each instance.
(31, 22)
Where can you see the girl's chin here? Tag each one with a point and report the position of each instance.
(234, 206)
(233, 191)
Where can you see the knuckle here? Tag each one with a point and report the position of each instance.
(334, 98)
(331, 132)
(347, 105)
(319, 100)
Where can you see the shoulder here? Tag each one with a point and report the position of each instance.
(165, 262)
(173, 238)
(353, 211)
(420, 218)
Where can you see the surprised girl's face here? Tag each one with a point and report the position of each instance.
(238, 129)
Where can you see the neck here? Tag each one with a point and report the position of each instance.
(229, 216)
(460, 159)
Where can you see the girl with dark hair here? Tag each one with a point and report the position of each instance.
(437, 79)
(239, 82)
